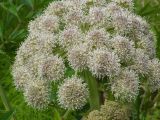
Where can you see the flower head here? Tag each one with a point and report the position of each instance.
(123, 48)
(73, 93)
(70, 36)
(96, 15)
(126, 86)
(21, 75)
(110, 111)
(49, 23)
(77, 57)
(97, 38)
(34, 63)
(37, 94)
(154, 74)
(103, 62)
(56, 8)
(52, 68)
(74, 17)
(141, 62)
(148, 45)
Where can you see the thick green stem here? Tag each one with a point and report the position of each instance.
(4, 99)
(93, 90)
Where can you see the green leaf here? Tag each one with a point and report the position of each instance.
(2, 52)
(69, 72)
(6, 115)
(30, 3)
(144, 8)
(16, 34)
(11, 8)
(19, 7)
(1, 30)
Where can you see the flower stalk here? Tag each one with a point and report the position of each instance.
(94, 97)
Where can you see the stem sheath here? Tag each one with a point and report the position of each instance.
(93, 90)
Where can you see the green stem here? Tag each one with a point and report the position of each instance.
(145, 103)
(76, 73)
(65, 116)
(56, 114)
(157, 98)
(4, 99)
(93, 90)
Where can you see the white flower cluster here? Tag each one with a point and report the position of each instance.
(107, 38)
(125, 86)
(109, 111)
(72, 93)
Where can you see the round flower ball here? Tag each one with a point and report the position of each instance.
(37, 94)
(103, 62)
(52, 68)
(73, 93)
(125, 86)
(21, 75)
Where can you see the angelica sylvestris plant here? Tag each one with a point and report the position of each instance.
(80, 53)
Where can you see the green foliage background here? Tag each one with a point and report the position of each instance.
(14, 18)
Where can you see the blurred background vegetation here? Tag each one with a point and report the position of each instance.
(14, 18)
